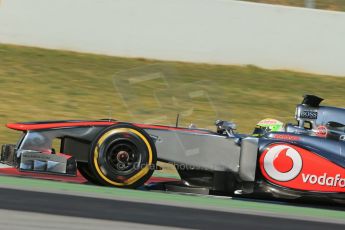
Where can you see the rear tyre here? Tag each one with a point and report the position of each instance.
(123, 155)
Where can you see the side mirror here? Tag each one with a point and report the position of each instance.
(333, 124)
(225, 126)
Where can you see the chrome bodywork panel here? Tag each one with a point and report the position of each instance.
(248, 159)
(41, 162)
(206, 151)
(203, 151)
(42, 140)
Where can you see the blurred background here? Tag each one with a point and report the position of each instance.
(149, 61)
(337, 5)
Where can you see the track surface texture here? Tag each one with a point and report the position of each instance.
(143, 213)
(39, 204)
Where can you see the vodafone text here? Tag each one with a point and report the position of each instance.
(324, 180)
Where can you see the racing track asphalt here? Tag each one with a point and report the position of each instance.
(142, 214)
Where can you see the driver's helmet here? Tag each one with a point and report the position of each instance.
(268, 125)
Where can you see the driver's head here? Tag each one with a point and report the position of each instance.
(268, 125)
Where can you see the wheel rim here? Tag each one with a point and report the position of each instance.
(123, 157)
(106, 153)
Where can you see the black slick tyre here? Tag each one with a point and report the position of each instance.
(123, 155)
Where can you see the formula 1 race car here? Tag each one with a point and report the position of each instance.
(304, 160)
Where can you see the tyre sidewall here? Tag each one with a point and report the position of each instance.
(102, 170)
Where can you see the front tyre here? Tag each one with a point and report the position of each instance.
(86, 172)
(123, 155)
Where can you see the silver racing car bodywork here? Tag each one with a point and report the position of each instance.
(194, 148)
(307, 159)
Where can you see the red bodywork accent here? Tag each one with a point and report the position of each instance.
(49, 151)
(322, 131)
(14, 172)
(41, 126)
(317, 173)
(77, 179)
(283, 163)
(26, 127)
(286, 137)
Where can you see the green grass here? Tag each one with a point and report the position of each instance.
(337, 5)
(39, 84)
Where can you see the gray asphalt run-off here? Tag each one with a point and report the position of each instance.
(130, 215)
